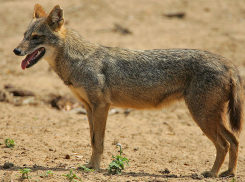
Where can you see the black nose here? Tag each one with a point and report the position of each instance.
(17, 51)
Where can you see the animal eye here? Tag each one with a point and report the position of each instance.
(36, 36)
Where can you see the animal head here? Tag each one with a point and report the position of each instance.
(44, 33)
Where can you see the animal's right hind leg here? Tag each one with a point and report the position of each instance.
(221, 145)
(233, 152)
(208, 119)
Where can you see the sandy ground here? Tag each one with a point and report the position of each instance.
(151, 140)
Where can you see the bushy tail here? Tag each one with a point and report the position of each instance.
(236, 106)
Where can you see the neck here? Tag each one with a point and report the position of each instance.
(72, 50)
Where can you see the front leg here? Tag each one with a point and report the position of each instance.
(97, 116)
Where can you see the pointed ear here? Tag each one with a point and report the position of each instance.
(56, 18)
(39, 12)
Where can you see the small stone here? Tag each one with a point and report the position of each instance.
(67, 156)
(127, 111)
(30, 101)
(78, 110)
(177, 14)
(20, 92)
(171, 176)
(113, 111)
(78, 156)
(166, 171)
(8, 165)
(197, 176)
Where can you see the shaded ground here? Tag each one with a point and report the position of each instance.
(151, 140)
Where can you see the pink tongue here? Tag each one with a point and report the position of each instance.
(24, 63)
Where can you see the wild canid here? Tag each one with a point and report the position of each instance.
(102, 76)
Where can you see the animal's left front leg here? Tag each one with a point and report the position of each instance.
(99, 117)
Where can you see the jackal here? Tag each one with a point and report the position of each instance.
(101, 77)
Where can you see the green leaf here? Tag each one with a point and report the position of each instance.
(114, 164)
(117, 165)
(10, 143)
(85, 169)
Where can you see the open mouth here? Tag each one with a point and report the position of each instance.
(33, 58)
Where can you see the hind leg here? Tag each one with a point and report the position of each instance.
(233, 152)
(222, 147)
(208, 117)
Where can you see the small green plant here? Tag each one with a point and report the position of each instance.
(233, 179)
(25, 173)
(83, 168)
(71, 176)
(10, 143)
(47, 174)
(117, 165)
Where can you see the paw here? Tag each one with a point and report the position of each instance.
(209, 174)
(91, 166)
(227, 173)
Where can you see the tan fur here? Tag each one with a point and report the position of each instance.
(81, 94)
(39, 12)
(102, 76)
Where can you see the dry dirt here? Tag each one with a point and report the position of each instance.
(152, 140)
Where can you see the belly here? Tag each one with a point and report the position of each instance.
(144, 99)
